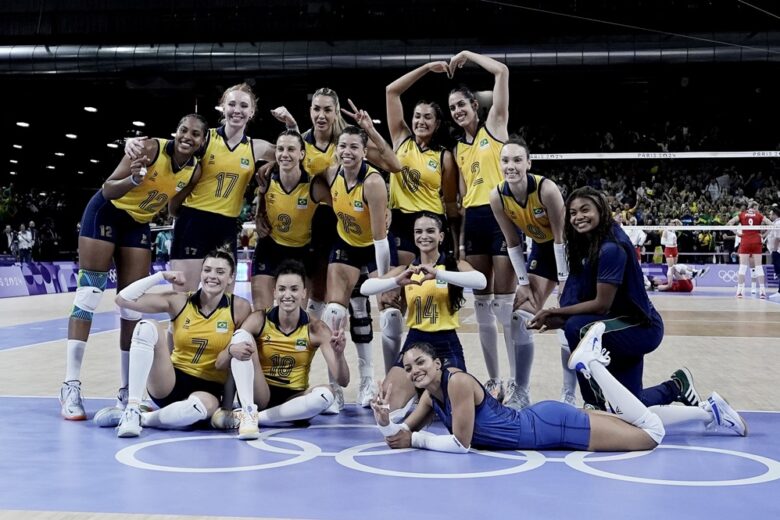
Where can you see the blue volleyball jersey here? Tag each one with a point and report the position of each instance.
(619, 266)
(545, 425)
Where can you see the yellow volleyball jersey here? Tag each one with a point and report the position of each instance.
(197, 338)
(354, 217)
(532, 217)
(417, 187)
(225, 173)
(316, 160)
(428, 305)
(285, 358)
(290, 214)
(162, 182)
(479, 166)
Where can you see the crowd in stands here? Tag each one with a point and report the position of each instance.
(653, 192)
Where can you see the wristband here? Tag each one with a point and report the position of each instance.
(560, 262)
(392, 428)
(132, 180)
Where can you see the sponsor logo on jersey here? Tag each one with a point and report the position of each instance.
(484, 143)
(222, 326)
(300, 344)
(186, 323)
(432, 165)
(358, 205)
(245, 163)
(303, 202)
(212, 159)
(180, 185)
(538, 212)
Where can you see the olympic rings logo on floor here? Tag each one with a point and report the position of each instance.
(525, 460)
(728, 276)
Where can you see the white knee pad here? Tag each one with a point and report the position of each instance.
(482, 309)
(502, 307)
(743, 269)
(651, 424)
(520, 333)
(242, 336)
(85, 301)
(392, 323)
(758, 271)
(145, 335)
(129, 314)
(323, 396)
(334, 314)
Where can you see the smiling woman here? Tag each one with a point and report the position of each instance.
(115, 225)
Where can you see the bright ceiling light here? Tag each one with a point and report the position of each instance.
(139, 123)
(90, 109)
(112, 145)
(18, 146)
(71, 136)
(22, 124)
(80, 172)
(13, 161)
(94, 161)
(59, 154)
(12, 173)
(49, 167)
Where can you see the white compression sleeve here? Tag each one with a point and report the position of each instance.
(137, 289)
(518, 264)
(377, 285)
(560, 262)
(430, 441)
(382, 254)
(467, 279)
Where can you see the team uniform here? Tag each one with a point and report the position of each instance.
(750, 244)
(354, 244)
(316, 161)
(430, 319)
(416, 188)
(633, 326)
(197, 340)
(217, 199)
(285, 358)
(531, 217)
(542, 426)
(125, 221)
(290, 215)
(681, 286)
(669, 241)
(478, 162)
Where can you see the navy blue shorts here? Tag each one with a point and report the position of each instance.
(268, 255)
(444, 342)
(482, 234)
(104, 221)
(185, 385)
(552, 424)
(280, 395)
(197, 232)
(358, 257)
(541, 261)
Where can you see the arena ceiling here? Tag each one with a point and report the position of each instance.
(153, 61)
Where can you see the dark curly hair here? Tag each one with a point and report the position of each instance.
(582, 246)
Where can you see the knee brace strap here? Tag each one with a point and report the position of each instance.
(89, 292)
(360, 325)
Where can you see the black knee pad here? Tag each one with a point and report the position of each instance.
(360, 325)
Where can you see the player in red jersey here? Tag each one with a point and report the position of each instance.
(750, 245)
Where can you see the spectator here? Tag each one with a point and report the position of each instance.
(25, 244)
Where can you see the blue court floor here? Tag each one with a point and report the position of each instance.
(339, 468)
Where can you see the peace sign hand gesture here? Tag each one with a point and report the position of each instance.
(381, 405)
(361, 117)
(338, 340)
